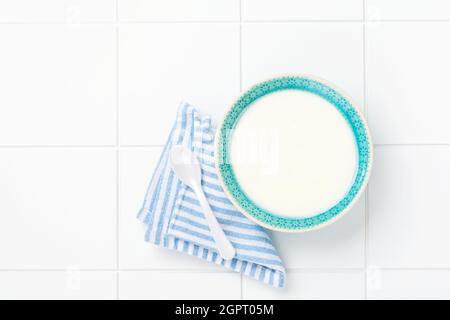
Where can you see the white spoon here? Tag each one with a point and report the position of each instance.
(187, 168)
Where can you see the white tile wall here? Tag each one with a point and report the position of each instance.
(58, 84)
(310, 285)
(161, 64)
(408, 9)
(69, 284)
(408, 224)
(407, 67)
(58, 208)
(254, 10)
(409, 284)
(179, 10)
(179, 285)
(69, 11)
(89, 90)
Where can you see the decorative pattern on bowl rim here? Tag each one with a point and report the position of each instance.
(238, 196)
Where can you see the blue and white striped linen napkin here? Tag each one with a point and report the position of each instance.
(174, 217)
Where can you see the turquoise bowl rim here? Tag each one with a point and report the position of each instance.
(353, 117)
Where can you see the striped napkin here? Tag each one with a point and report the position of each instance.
(174, 217)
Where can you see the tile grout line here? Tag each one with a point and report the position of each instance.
(117, 154)
(240, 90)
(366, 114)
(219, 271)
(381, 145)
(411, 144)
(225, 21)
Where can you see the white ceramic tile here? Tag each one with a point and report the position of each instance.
(408, 9)
(57, 285)
(340, 245)
(408, 214)
(162, 64)
(409, 284)
(58, 84)
(407, 82)
(269, 50)
(309, 286)
(302, 9)
(58, 208)
(156, 285)
(178, 10)
(70, 11)
(136, 168)
(333, 51)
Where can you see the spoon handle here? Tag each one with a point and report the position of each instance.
(224, 245)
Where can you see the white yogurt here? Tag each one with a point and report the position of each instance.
(293, 153)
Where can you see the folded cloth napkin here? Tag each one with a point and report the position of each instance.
(174, 217)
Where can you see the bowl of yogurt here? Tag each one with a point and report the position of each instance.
(293, 153)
